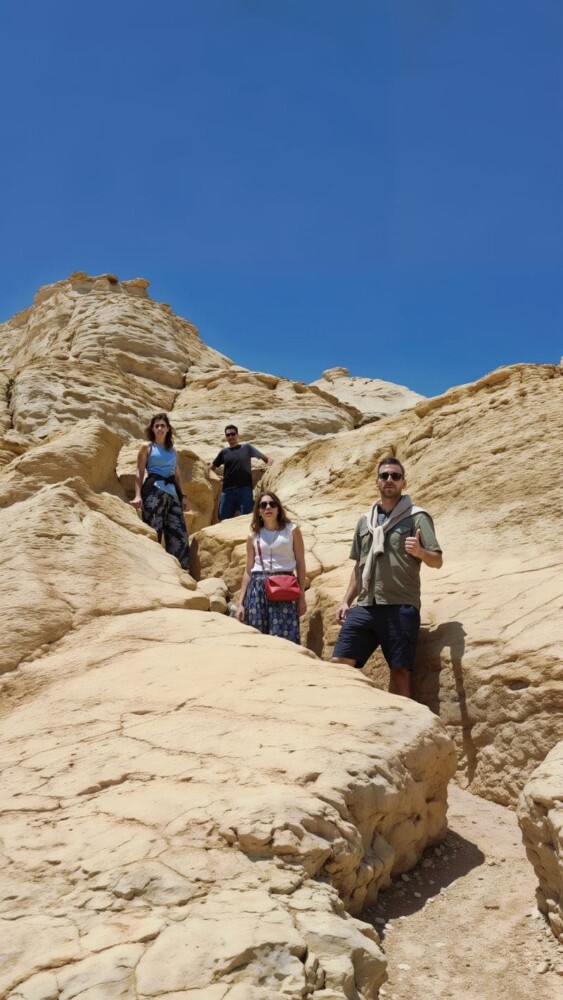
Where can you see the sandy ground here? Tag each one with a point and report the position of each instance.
(464, 923)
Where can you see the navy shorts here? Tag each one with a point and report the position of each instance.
(394, 627)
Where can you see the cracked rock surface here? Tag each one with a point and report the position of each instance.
(203, 811)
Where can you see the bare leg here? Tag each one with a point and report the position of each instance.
(400, 682)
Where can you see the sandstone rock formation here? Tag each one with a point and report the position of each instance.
(181, 800)
(83, 333)
(278, 415)
(141, 358)
(374, 397)
(540, 814)
(489, 654)
(187, 808)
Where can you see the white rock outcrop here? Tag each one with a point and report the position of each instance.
(374, 397)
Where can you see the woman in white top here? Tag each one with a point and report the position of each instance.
(282, 549)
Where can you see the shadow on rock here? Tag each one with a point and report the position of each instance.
(437, 869)
(442, 691)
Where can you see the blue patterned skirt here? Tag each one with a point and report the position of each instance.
(270, 617)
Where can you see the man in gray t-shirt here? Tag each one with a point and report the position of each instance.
(389, 546)
(236, 493)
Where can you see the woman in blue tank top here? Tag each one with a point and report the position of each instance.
(160, 496)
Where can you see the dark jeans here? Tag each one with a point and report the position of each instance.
(236, 498)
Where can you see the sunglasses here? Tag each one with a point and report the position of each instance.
(231, 434)
(395, 476)
(264, 504)
(160, 427)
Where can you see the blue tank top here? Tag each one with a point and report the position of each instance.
(162, 461)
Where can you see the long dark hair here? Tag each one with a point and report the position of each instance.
(257, 519)
(169, 434)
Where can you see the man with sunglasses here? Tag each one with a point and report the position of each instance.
(390, 543)
(236, 493)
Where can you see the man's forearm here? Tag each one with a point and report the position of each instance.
(352, 591)
(432, 559)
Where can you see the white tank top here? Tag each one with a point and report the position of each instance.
(277, 550)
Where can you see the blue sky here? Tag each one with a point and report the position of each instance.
(370, 183)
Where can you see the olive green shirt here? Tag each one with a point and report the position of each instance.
(396, 575)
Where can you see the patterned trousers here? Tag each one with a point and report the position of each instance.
(270, 617)
(163, 513)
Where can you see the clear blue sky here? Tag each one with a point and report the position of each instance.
(369, 183)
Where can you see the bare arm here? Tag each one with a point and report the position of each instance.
(215, 469)
(430, 558)
(178, 478)
(245, 576)
(137, 502)
(350, 595)
(299, 553)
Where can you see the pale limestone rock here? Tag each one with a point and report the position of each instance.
(540, 814)
(217, 592)
(491, 632)
(77, 555)
(43, 986)
(96, 332)
(165, 766)
(32, 944)
(48, 396)
(220, 551)
(178, 850)
(374, 397)
(88, 449)
(101, 321)
(276, 415)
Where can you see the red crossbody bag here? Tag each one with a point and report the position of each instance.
(279, 586)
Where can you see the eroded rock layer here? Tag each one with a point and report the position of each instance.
(172, 787)
(188, 809)
(540, 814)
(374, 397)
(489, 656)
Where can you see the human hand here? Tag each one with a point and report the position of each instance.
(301, 605)
(185, 505)
(413, 546)
(240, 613)
(137, 503)
(342, 612)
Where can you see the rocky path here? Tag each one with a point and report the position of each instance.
(465, 925)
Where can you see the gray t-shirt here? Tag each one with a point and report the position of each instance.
(396, 574)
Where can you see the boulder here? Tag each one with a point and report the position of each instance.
(74, 556)
(185, 803)
(88, 449)
(540, 815)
